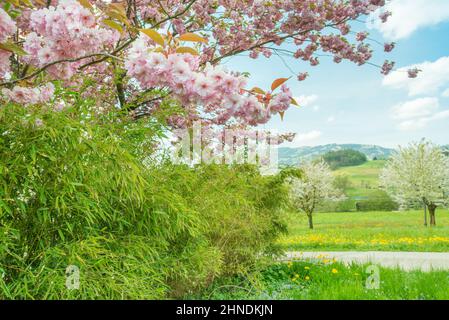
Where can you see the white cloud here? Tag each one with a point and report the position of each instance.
(446, 93)
(330, 119)
(409, 16)
(306, 138)
(434, 77)
(418, 113)
(423, 107)
(421, 123)
(306, 101)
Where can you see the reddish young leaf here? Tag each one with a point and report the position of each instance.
(278, 82)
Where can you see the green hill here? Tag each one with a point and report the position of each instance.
(364, 178)
(362, 189)
(293, 156)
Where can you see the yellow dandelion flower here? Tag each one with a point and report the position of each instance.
(334, 271)
(306, 268)
(307, 278)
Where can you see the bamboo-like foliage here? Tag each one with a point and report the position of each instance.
(74, 191)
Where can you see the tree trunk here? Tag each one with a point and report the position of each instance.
(432, 209)
(309, 215)
(425, 214)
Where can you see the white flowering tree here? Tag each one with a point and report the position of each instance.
(419, 172)
(314, 187)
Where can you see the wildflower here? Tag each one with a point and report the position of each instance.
(307, 278)
(334, 271)
(307, 268)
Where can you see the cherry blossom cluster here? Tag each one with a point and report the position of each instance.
(7, 25)
(30, 96)
(76, 41)
(66, 31)
(219, 92)
(7, 29)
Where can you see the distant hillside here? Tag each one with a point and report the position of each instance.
(292, 156)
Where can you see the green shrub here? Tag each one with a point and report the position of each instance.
(243, 210)
(347, 205)
(381, 204)
(74, 191)
(65, 181)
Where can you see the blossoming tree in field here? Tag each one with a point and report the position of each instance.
(136, 54)
(314, 187)
(418, 173)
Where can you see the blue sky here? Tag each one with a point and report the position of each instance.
(345, 103)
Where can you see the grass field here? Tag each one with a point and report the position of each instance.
(350, 231)
(363, 231)
(305, 280)
(364, 180)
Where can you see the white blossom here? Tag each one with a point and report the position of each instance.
(314, 187)
(418, 173)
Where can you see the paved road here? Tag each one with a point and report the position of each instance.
(424, 261)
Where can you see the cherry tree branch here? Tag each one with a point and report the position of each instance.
(45, 67)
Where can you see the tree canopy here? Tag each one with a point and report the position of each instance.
(344, 158)
(136, 54)
(418, 173)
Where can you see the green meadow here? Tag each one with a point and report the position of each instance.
(370, 230)
(306, 280)
(363, 231)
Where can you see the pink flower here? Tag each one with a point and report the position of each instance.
(22, 95)
(361, 36)
(387, 67)
(413, 73)
(181, 71)
(388, 47)
(29, 96)
(45, 56)
(384, 16)
(303, 76)
(7, 25)
(4, 62)
(46, 92)
(203, 87)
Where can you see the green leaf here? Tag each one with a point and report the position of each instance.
(295, 103)
(112, 24)
(154, 35)
(187, 50)
(14, 48)
(192, 37)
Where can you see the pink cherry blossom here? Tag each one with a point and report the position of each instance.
(302, 76)
(29, 96)
(387, 67)
(7, 26)
(69, 42)
(388, 47)
(413, 73)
